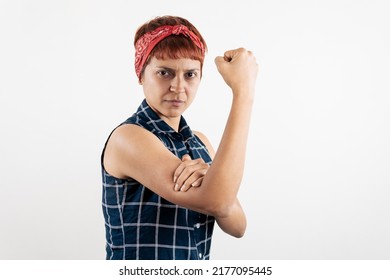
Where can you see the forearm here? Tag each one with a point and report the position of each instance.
(228, 164)
(223, 179)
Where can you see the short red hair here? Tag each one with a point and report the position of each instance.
(174, 46)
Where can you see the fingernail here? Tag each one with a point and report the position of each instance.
(182, 188)
(176, 187)
(174, 179)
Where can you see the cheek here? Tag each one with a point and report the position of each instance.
(191, 93)
(193, 89)
(155, 86)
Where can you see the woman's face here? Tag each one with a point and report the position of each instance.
(170, 86)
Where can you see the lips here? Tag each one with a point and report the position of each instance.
(175, 102)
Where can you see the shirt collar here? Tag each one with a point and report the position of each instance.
(152, 119)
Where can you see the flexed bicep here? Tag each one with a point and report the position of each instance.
(133, 152)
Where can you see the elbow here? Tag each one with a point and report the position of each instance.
(231, 219)
(240, 231)
(221, 209)
(239, 234)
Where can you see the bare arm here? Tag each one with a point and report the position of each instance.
(235, 223)
(131, 149)
(239, 69)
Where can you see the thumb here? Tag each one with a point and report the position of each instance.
(219, 61)
(223, 61)
(186, 157)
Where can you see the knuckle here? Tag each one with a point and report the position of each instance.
(198, 172)
(192, 168)
(185, 172)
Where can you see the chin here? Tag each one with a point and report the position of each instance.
(174, 113)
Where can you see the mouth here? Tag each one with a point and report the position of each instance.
(175, 103)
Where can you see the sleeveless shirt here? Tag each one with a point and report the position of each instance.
(142, 225)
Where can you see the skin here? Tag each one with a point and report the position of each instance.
(170, 86)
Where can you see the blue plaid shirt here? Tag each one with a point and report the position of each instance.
(142, 225)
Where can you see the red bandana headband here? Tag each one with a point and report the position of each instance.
(149, 40)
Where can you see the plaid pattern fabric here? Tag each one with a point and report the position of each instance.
(142, 225)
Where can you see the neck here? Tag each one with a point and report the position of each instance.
(172, 122)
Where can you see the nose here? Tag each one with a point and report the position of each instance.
(177, 85)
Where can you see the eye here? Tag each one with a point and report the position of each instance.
(191, 74)
(162, 73)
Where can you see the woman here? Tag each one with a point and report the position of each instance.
(161, 195)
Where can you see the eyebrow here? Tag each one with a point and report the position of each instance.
(173, 70)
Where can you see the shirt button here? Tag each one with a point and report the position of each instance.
(200, 255)
(197, 225)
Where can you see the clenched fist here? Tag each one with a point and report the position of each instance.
(239, 70)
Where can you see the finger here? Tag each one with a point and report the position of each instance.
(219, 61)
(195, 180)
(186, 157)
(184, 165)
(185, 160)
(228, 55)
(184, 175)
(185, 188)
(231, 54)
(178, 171)
(198, 182)
(190, 174)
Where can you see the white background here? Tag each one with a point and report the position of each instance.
(317, 177)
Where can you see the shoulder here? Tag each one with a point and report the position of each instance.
(127, 144)
(127, 130)
(128, 135)
(201, 136)
(205, 141)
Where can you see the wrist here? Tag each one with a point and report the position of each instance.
(245, 96)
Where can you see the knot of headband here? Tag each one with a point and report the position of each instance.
(149, 40)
